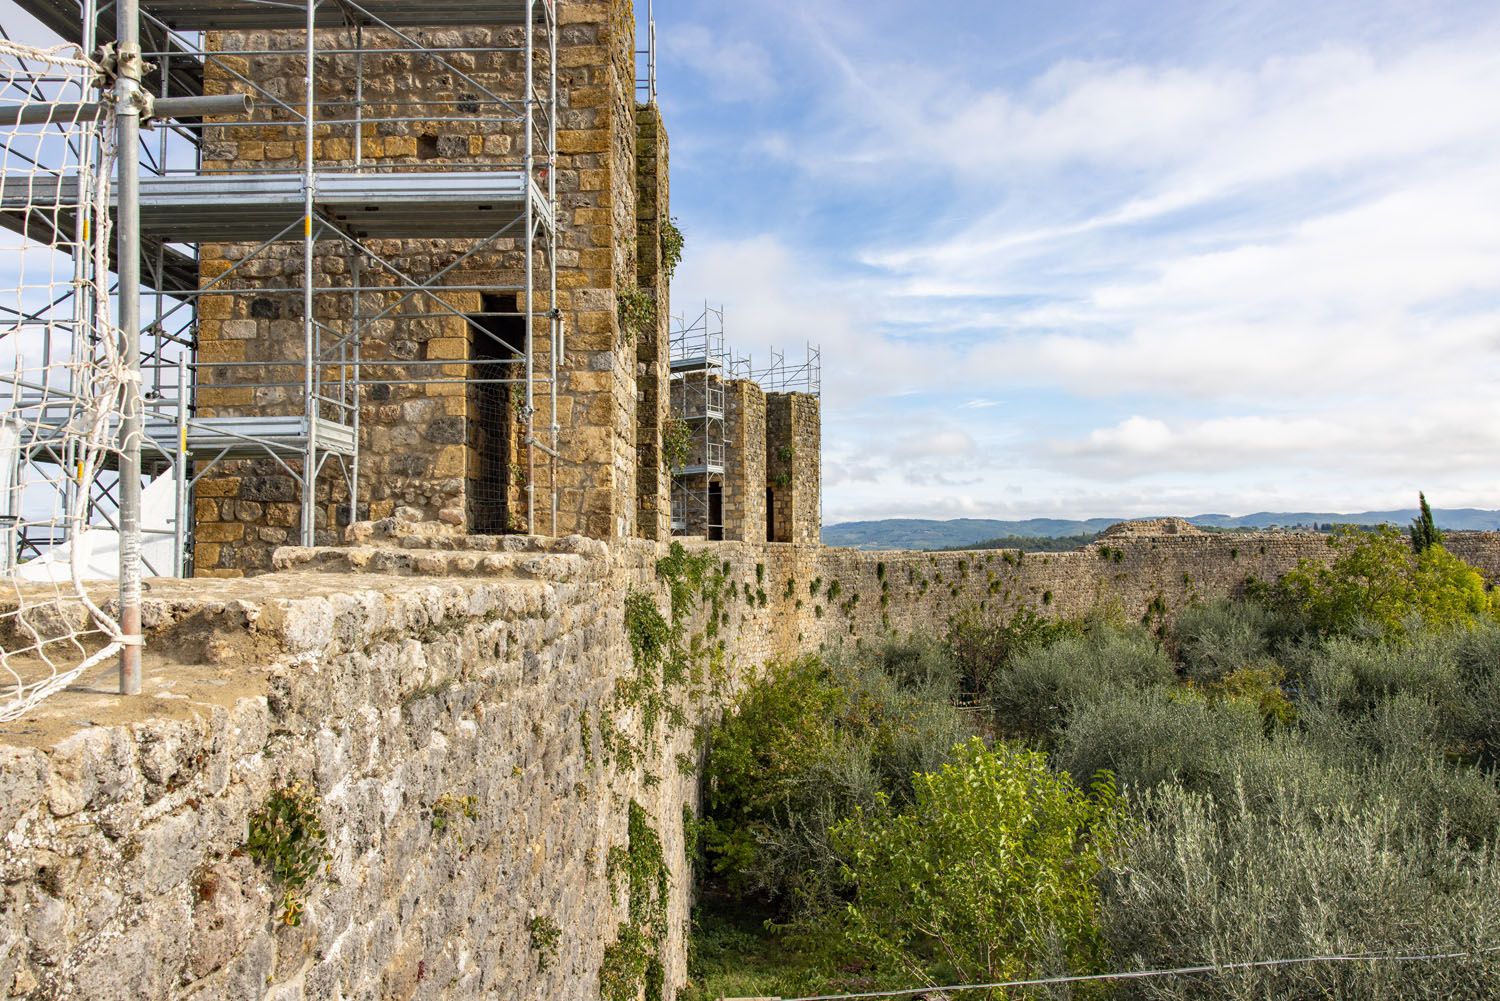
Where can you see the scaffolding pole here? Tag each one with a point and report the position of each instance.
(128, 257)
(418, 201)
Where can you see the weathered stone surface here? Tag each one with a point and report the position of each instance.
(124, 874)
(23, 778)
(229, 909)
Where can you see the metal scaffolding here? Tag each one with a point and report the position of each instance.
(304, 226)
(702, 366)
(803, 375)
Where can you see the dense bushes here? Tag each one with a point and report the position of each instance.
(1210, 879)
(1377, 585)
(989, 874)
(1216, 639)
(818, 740)
(1306, 771)
(981, 645)
(1040, 689)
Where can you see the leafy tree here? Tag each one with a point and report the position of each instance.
(1377, 582)
(817, 740)
(989, 875)
(981, 643)
(761, 752)
(1424, 531)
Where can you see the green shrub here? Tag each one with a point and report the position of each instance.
(1259, 686)
(1476, 714)
(1205, 881)
(1351, 676)
(1377, 586)
(982, 643)
(1153, 736)
(287, 838)
(988, 875)
(921, 663)
(1040, 690)
(814, 741)
(672, 244)
(1215, 639)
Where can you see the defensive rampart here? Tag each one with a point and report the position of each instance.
(478, 719)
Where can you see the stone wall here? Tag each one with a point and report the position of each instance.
(794, 464)
(457, 713)
(745, 462)
(448, 700)
(653, 209)
(418, 434)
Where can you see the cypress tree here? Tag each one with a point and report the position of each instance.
(1424, 531)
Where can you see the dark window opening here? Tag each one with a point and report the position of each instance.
(497, 335)
(715, 512)
(770, 514)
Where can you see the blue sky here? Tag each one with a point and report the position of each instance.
(1083, 259)
(1079, 259)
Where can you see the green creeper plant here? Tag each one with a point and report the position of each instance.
(637, 309)
(286, 837)
(671, 247)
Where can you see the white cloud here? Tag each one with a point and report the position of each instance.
(732, 70)
(1149, 286)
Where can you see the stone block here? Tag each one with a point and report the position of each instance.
(218, 531)
(23, 777)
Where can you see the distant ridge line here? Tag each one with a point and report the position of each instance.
(931, 533)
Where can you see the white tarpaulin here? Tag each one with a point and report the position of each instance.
(99, 548)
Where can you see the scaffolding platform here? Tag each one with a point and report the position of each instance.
(62, 16)
(206, 208)
(700, 363)
(217, 438)
(55, 221)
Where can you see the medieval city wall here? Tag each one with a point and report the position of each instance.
(463, 710)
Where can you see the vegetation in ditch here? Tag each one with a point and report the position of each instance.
(1304, 770)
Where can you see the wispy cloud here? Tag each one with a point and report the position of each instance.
(730, 69)
(1145, 268)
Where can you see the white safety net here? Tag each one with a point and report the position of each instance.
(62, 375)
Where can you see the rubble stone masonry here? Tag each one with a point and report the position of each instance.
(452, 702)
(417, 433)
(794, 464)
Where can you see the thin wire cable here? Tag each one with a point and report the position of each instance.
(1219, 968)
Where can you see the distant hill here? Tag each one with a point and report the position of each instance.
(925, 533)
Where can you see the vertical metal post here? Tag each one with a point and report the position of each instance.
(356, 268)
(128, 251)
(554, 326)
(356, 265)
(309, 367)
(180, 488)
(359, 98)
(528, 94)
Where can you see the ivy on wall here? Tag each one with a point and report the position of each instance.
(632, 962)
